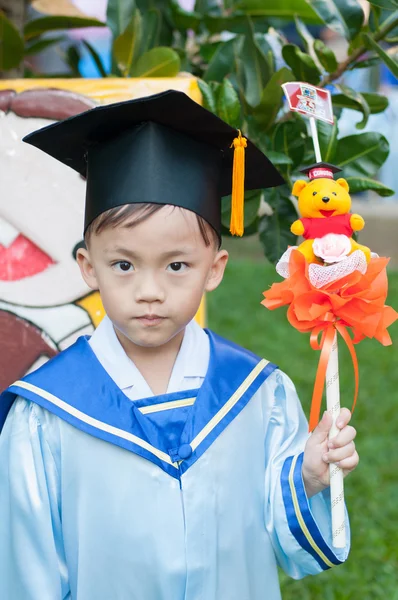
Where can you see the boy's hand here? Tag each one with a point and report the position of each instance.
(319, 452)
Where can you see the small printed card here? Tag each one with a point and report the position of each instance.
(309, 100)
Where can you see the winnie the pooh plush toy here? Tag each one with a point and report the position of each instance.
(324, 205)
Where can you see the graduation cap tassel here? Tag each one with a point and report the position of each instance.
(238, 185)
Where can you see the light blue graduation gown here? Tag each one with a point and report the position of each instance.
(195, 495)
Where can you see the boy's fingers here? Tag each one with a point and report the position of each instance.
(334, 456)
(348, 464)
(344, 418)
(321, 431)
(345, 436)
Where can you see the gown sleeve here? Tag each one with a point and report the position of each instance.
(300, 528)
(32, 560)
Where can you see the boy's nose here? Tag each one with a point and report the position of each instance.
(147, 289)
(325, 199)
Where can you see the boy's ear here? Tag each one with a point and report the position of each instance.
(217, 271)
(86, 268)
(299, 185)
(344, 184)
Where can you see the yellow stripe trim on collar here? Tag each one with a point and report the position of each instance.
(94, 422)
(299, 516)
(236, 396)
(154, 408)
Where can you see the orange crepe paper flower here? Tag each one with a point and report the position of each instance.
(356, 301)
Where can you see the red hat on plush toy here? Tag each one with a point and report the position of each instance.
(319, 170)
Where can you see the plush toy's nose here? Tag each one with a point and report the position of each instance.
(325, 199)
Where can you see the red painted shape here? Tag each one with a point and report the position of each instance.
(22, 344)
(22, 259)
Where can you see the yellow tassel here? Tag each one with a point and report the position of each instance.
(238, 185)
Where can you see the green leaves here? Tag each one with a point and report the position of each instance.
(119, 14)
(184, 19)
(327, 135)
(44, 24)
(221, 63)
(251, 208)
(217, 24)
(206, 6)
(366, 103)
(72, 58)
(135, 49)
(286, 9)
(240, 78)
(274, 229)
(38, 46)
(362, 155)
(96, 58)
(278, 158)
(359, 101)
(126, 46)
(343, 16)
(11, 44)
(361, 184)
(325, 56)
(366, 63)
(389, 62)
(302, 65)
(254, 70)
(387, 4)
(227, 104)
(307, 39)
(375, 102)
(151, 22)
(208, 96)
(290, 138)
(158, 62)
(222, 100)
(271, 99)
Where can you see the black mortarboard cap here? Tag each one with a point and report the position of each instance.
(321, 169)
(161, 149)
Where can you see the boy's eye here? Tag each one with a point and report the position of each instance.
(123, 265)
(176, 266)
(314, 193)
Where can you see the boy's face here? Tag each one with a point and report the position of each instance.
(152, 276)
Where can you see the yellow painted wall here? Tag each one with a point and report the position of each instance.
(110, 89)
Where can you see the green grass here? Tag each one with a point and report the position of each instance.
(371, 571)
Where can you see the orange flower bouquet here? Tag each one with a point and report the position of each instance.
(355, 301)
(332, 284)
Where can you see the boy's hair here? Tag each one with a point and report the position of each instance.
(142, 211)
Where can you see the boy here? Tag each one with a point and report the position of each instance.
(157, 461)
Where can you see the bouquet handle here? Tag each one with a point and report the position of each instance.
(336, 474)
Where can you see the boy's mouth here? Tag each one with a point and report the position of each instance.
(150, 319)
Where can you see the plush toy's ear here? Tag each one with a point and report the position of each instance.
(299, 185)
(343, 184)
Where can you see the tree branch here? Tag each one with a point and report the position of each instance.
(387, 26)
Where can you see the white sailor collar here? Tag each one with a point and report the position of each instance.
(76, 387)
(192, 359)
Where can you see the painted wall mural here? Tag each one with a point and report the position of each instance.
(44, 303)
